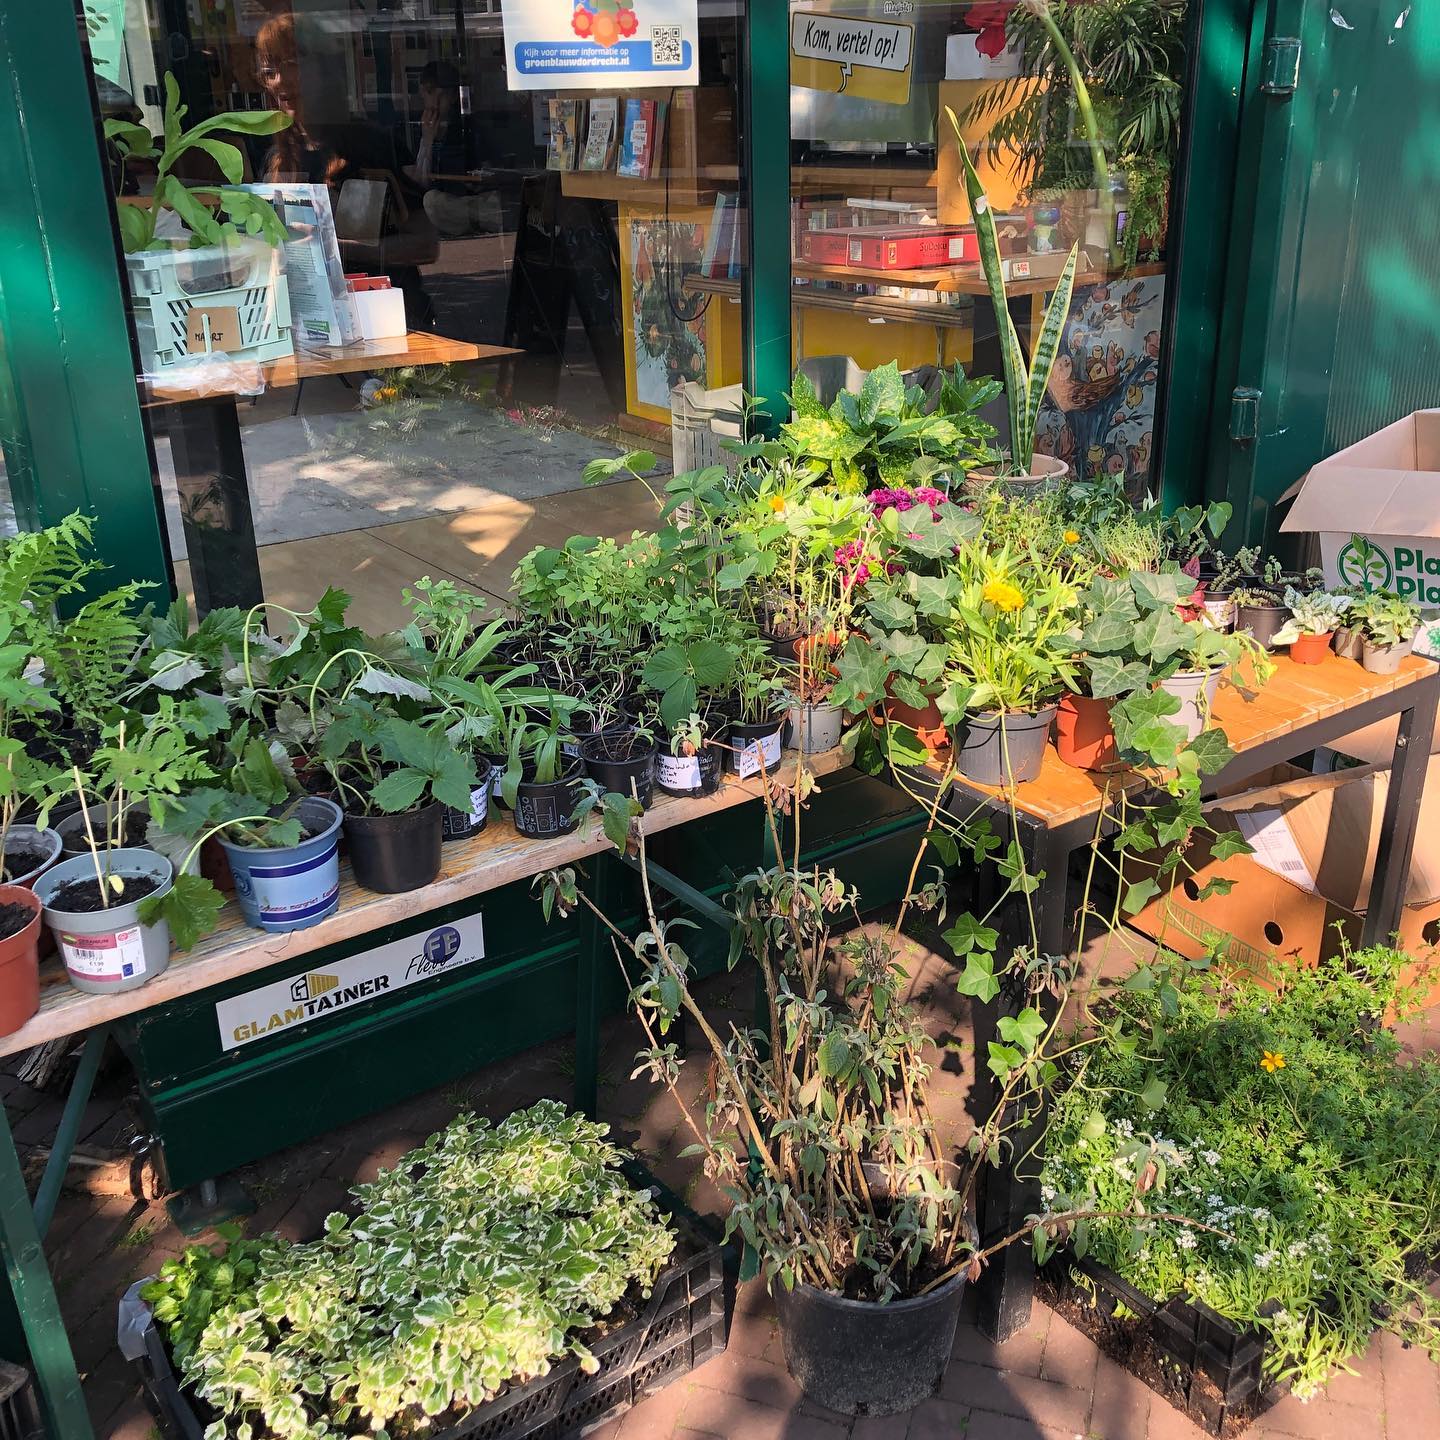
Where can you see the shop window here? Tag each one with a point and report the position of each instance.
(521, 238)
(873, 154)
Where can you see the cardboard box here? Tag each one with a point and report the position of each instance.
(913, 247)
(826, 247)
(1315, 840)
(1386, 488)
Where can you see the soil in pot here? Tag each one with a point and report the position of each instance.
(74, 840)
(865, 1359)
(622, 763)
(392, 854)
(82, 897)
(1310, 649)
(13, 919)
(23, 860)
(1003, 747)
(1084, 736)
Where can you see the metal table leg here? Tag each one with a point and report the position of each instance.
(1402, 814)
(214, 493)
(594, 940)
(33, 1295)
(48, 1191)
(1007, 1196)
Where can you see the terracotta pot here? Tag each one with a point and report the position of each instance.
(926, 723)
(1310, 649)
(19, 963)
(1083, 734)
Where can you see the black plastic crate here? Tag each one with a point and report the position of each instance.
(19, 1410)
(1208, 1367)
(682, 1325)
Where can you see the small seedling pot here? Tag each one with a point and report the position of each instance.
(19, 961)
(1264, 622)
(1084, 736)
(860, 1358)
(632, 776)
(546, 808)
(1310, 649)
(1003, 747)
(813, 728)
(1349, 642)
(24, 839)
(107, 951)
(291, 887)
(1196, 691)
(752, 746)
(1384, 659)
(467, 824)
(391, 854)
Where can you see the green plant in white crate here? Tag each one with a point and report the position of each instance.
(1025, 385)
(1316, 612)
(245, 213)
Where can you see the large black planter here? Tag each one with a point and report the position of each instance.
(619, 776)
(865, 1359)
(391, 854)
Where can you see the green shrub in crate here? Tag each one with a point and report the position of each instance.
(233, 261)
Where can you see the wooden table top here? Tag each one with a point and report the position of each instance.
(496, 857)
(1296, 696)
(418, 347)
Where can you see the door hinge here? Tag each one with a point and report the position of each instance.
(1280, 68)
(1244, 413)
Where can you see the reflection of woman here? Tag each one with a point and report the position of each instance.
(336, 154)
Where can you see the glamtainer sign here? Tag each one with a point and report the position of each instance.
(331, 988)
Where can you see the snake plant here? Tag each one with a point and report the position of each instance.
(1024, 384)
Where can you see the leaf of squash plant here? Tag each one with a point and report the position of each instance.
(191, 907)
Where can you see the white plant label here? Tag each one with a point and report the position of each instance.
(114, 957)
(480, 804)
(767, 748)
(680, 772)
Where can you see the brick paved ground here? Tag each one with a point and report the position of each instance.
(1049, 1381)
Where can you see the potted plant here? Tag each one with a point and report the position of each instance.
(1260, 608)
(1387, 625)
(1025, 384)
(1314, 618)
(543, 785)
(93, 901)
(691, 759)
(621, 760)
(755, 733)
(1010, 657)
(393, 779)
(229, 262)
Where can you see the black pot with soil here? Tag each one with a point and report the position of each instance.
(545, 809)
(392, 854)
(750, 744)
(467, 824)
(1264, 618)
(622, 761)
(698, 774)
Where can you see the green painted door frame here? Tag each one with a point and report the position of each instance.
(70, 419)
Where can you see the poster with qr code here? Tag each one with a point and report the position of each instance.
(601, 44)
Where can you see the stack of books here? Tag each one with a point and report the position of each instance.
(606, 134)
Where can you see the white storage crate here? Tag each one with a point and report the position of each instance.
(246, 276)
(699, 420)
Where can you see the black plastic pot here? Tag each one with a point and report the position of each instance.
(619, 776)
(984, 743)
(466, 824)
(1264, 622)
(749, 744)
(686, 775)
(391, 854)
(865, 1359)
(545, 809)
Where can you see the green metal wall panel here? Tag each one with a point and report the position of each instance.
(69, 416)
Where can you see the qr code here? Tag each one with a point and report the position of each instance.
(666, 45)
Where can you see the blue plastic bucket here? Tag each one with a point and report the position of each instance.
(297, 885)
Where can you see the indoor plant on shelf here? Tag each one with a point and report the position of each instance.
(1387, 627)
(1314, 618)
(1025, 384)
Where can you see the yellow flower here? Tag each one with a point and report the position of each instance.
(386, 393)
(777, 503)
(1072, 537)
(1003, 595)
(1272, 1060)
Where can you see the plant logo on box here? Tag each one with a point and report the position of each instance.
(1361, 563)
(309, 987)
